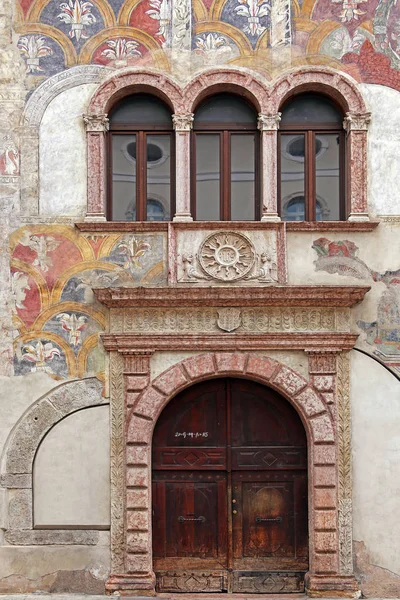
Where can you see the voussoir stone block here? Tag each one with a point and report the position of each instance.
(263, 366)
(324, 383)
(325, 476)
(324, 455)
(20, 509)
(149, 403)
(73, 396)
(16, 480)
(137, 498)
(228, 362)
(170, 381)
(137, 476)
(199, 366)
(310, 401)
(137, 519)
(28, 435)
(289, 380)
(322, 429)
(44, 537)
(139, 430)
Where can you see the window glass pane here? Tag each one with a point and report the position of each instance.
(242, 177)
(158, 177)
(123, 178)
(292, 177)
(311, 108)
(207, 177)
(141, 108)
(225, 108)
(327, 177)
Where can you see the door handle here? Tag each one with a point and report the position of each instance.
(270, 520)
(200, 519)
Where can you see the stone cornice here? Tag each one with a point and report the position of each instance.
(173, 297)
(315, 342)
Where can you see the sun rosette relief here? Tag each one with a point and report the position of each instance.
(228, 257)
(56, 319)
(382, 335)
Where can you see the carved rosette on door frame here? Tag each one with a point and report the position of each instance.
(229, 503)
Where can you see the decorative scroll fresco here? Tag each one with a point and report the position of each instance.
(56, 319)
(57, 34)
(383, 334)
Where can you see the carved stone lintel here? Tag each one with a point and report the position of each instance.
(356, 121)
(96, 123)
(183, 122)
(321, 362)
(269, 122)
(136, 362)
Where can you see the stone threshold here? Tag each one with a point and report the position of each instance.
(222, 596)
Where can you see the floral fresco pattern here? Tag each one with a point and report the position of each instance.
(383, 334)
(56, 318)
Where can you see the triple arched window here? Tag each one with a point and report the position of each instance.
(225, 160)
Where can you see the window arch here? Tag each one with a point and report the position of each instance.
(225, 160)
(311, 157)
(140, 160)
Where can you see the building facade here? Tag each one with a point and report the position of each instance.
(200, 301)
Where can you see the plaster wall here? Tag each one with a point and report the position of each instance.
(383, 149)
(376, 469)
(71, 473)
(62, 166)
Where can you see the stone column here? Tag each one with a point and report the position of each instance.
(96, 128)
(331, 571)
(182, 125)
(268, 125)
(138, 577)
(356, 126)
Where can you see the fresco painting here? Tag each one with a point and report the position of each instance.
(56, 318)
(383, 334)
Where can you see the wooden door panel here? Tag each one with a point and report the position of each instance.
(270, 457)
(190, 458)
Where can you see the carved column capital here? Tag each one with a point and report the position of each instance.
(269, 122)
(356, 121)
(136, 362)
(183, 122)
(322, 362)
(96, 123)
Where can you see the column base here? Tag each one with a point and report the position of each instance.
(271, 218)
(332, 586)
(131, 585)
(95, 218)
(358, 217)
(182, 218)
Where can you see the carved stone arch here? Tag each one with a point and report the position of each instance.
(19, 454)
(239, 81)
(131, 81)
(339, 86)
(315, 411)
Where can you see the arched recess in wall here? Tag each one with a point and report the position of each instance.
(71, 472)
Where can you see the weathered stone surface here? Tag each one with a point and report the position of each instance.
(20, 509)
(229, 362)
(137, 455)
(199, 366)
(74, 395)
(149, 403)
(171, 381)
(326, 541)
(16, 480)
(325, 519)
(326, 563)
(325, 476)
(289, 381)
(139, 430)
(261, 366)
(322, 429)
(138, 498)
(48, 537)
(137, 519)
(138, 562)
(137, 541)
(325, 498)
(310, 401)
(137, 476)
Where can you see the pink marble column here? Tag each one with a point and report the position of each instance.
(182, 125)
(268, 125)
(356, 126)
(96, 128)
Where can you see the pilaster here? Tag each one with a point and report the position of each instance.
(356, 126)
(96, 128)
(268, 125)
(183, 124)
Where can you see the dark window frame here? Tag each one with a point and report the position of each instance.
(225, 130)
(141, 131)
(310, 130)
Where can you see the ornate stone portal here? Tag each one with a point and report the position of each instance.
(230, 332)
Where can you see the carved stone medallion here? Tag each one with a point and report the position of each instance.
(227, 256)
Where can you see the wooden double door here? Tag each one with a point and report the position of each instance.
(230, 491)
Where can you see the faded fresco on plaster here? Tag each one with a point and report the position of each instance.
(56, 318)
(383, 334)
(361, 37)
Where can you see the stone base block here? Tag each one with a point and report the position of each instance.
(271, 217)
(332, 586)
(358, 217)
(131, 585)
(95, 218)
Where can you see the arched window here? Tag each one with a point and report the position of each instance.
(311, 160)
(224, 160)
(141, 152)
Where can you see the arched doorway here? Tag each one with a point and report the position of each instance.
(229, 491)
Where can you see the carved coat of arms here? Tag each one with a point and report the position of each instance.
(229, 319)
